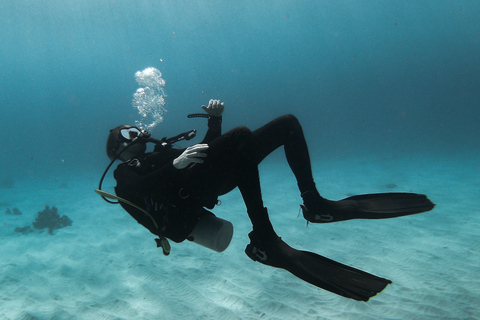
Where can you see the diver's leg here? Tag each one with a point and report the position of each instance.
(269, 249)
(286, 131)
(231, 163)
(249, 187)
(248, 181)
(240, 147)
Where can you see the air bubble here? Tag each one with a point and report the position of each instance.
(149, 100)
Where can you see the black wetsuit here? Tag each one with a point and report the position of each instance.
(176, 198)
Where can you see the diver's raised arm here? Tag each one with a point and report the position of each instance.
(215, 108)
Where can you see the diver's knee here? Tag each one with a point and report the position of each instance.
(291, 118)
(288, 121)
(241, 133)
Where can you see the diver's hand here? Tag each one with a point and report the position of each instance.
(215, 108)
(192, 154)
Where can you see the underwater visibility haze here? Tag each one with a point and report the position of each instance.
(387, 93)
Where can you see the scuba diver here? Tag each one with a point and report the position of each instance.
(167, 191)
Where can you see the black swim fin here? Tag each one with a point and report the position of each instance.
(316, 269)
(368, 206)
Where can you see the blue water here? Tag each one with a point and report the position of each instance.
(359, 74)
(386, 79)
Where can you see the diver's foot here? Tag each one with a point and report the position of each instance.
(316, 217)
(317, 209)
(326, 215)
(268, 251)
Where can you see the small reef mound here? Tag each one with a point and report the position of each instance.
(49, 218)
(14, 211)
(46, 219)
(24, 230)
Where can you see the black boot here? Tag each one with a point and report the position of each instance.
(267, 251)
(264, 242)
(315, 208)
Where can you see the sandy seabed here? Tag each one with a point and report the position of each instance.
(106, 266)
